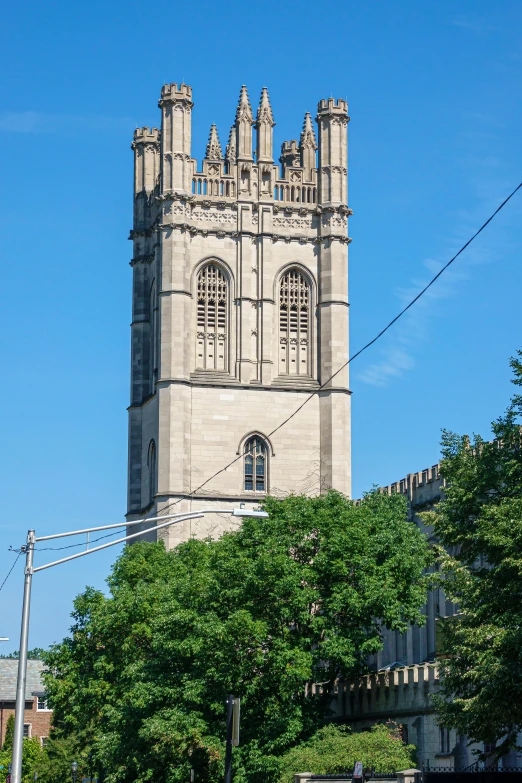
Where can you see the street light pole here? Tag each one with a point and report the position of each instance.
(18, 737)
(228, 745)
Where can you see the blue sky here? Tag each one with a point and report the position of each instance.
(434, 91)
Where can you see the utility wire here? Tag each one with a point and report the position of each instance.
(323, 385)
(365, 347)
(82, 543)
(10, 570)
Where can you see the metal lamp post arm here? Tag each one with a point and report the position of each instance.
(172, 519)
(18, 738)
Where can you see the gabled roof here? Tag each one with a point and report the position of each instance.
(8, 673)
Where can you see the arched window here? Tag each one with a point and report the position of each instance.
(256, 465)
(212, 319)
(294, 324)
(151, 464)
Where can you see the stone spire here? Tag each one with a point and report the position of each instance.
(230, 154)
(244, 110)
(264, 113)
(213, 146)
(264, 124)
(244, 121)
(307, 147)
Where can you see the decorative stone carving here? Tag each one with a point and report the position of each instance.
(213, 216)
(244, 110)
(293, 222)
(213, 151)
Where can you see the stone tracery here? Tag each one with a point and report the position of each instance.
(212, 317)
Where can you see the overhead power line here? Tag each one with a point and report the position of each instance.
(10, 570)
(325, 383)
(365, 347)
(81, 543)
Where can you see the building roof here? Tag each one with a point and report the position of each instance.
(8, 672)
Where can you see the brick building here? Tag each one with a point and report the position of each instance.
(37, 716)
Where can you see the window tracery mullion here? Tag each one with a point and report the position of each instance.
(212, 294)
(294, 324)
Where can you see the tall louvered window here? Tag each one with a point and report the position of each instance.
(153, 476)
(294, 324)
(153, 339)
(212, 319)
(255, 476)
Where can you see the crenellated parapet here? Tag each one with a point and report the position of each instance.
(247, 171)
(387, 695)
(423, 488)
(171, 187)
(240, 307)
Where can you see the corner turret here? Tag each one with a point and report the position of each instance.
(176, 128)
(289, 155)
(332, 119)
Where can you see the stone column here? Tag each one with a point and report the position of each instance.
(332, 119)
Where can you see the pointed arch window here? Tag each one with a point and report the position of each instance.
(294, 324)
(212, 319)
(255, 465)
(153, 338)
(151, 464)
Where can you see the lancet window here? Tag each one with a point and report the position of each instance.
(255, 466)
(151, 464)
(153, 339)
(212, 319)
(294, 324)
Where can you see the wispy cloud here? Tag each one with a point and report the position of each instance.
(479, 25)
(69, 124)
(488, 184)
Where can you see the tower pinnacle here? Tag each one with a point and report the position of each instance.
(213, 146)
(264, 124)
(307, 146)
(244, 121)
(230, 153)
(264, 112)
(244, 110)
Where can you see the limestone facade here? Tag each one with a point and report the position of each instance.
(240, 314)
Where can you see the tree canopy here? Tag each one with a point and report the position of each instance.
(262, 613)
(36, 654)
(480, 524)
(32, 754)
(334, 750)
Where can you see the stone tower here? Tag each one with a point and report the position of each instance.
(240, 314)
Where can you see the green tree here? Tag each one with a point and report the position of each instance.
(480, 524)
(334, 749)
(9, 733)
(36, 654)
(54, 766)
(32, 753)
(294, 599)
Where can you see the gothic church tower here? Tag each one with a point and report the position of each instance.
(240, 313)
